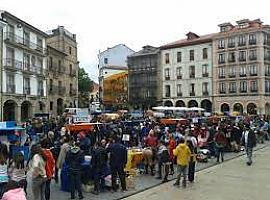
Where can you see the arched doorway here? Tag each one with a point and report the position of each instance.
(207, 105)
(60, 106)
(9, 110)
(180, 103)
(192, 103)
(168, 103)
(26, 111)
(238, 107)
(267, 108)
(252, 109)
(225, 108)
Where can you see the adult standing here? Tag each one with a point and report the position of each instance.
(248, 141)
(38, 172)
(74, 160)
(221, 141)
(118, 160)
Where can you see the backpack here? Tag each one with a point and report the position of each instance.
(50, 163)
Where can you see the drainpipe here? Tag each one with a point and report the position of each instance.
(1, 70)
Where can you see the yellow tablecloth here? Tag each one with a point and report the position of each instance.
(134, 158)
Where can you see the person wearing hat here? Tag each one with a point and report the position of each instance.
(248, 141)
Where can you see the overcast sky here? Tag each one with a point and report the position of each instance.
(104, 23)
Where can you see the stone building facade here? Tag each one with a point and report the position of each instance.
(186, 67)
(241, 58)
(144, 84)
(63, 70)
(24, 72)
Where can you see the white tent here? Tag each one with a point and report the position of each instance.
(195, 109)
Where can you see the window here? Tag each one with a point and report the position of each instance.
(105, 61)
(222, 88)
(267, 70)
(51, 105)
(50, 63)
(232, 71)
(70, 68)
(59, 66)
(252, 39)
(192, 71)
(253, 86)
(221, 72)
(231, 42)
(253, 54)
(10, 83)
(231, 57)
(51, 85)
(267, 86)
(167, 90)
(253, 70)
(26, 38)
(179, 72)
(39, 44)
(192, 89)
(179, 89)
(167, 58)
(70, 88)
(232, 87)
(242, 40)
(243, 86)
(179, 57)
(26, 61)
(243, 71)
(205, 70)
(205, 88)
(167, 74)
(191, 55)
(221, 58)
(221, 44)
(26, 87)
(70, 50)
(266, 54)
(205, 55)
(242, 56)
(40, 91)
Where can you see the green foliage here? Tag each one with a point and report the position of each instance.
(85, 85)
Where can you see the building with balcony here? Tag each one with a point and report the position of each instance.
(113, 61)
(186, 71)
(144, 84)
(63, 70)
(23, 77)
(241, 67)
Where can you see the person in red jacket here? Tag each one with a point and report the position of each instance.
(172, 146)
(49, 167)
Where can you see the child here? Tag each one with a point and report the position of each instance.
(17, 170)
(3, 173)
(13, 192)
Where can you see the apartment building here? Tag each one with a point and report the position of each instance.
(23, 77)
(112, 64)
(241, 67)
(144, 84)
(63, 70)
(186, 68)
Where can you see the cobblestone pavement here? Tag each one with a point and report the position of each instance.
(143, 182)
(232, 180)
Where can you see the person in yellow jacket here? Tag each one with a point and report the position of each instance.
(183, 153)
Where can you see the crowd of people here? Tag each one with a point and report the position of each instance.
(163, 148)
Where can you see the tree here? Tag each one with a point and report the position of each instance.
(85, 85)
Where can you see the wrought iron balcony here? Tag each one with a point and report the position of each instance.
(12, 64)
(23, 42)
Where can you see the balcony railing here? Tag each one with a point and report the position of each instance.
(243, 90)
(179, 94)
(192, 94)
(231, 60)
(179, 77)
(205, 74)
(253, 90)
(11, 89)
(222, 92)
(232, 91)
(252, 42)
(16, 39)
(231, 45)
(191, 75)
(242, 59)
(221, 76)
(13, 64)
(253, 58)
(205, 93)
(232, 75)
(242, 75)
(167, 78)
(167, 95)
(27, 90)
(221, 61)
(33, 69)
(253, 74)
(240, 44)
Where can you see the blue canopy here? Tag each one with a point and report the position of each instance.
(11, 128)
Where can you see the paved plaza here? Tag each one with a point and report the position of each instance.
(232, 180)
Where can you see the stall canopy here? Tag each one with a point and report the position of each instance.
(163, 108)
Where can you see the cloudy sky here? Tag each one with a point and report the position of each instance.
(104, 23)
